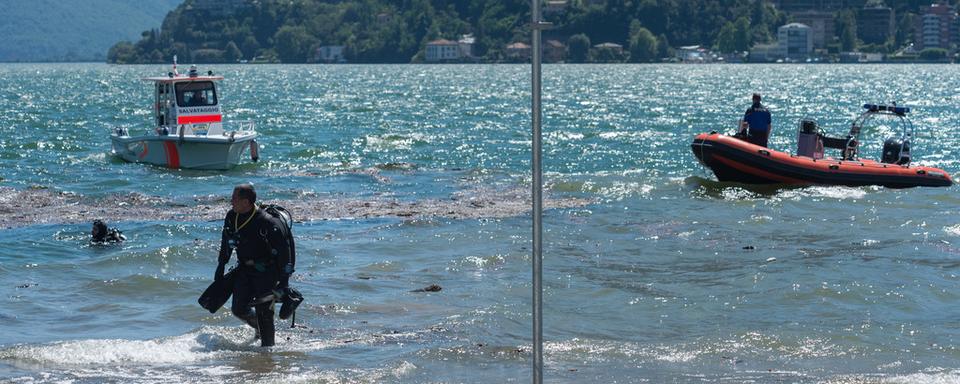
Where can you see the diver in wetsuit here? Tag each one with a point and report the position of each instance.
(262, 253)
(100, 234)
(757, 124)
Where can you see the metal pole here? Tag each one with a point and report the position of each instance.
(536, 168)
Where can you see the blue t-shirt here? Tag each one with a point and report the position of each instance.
(758, 118)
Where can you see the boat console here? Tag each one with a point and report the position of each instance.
(811, 140)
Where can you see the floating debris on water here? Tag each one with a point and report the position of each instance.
(43, 206)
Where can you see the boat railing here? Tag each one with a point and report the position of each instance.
(245, 126)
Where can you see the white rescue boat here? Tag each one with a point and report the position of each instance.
(189, 132)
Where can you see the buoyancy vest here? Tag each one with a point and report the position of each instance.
(260, 239)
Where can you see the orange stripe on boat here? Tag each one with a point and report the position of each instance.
(199, 119)
(173, 156)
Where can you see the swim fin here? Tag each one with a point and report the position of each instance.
(217, 293)
(290, 301)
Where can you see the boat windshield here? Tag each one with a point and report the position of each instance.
(196, 94)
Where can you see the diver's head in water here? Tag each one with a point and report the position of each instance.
(99, 231)
(100, 234)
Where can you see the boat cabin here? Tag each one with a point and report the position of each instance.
(187, 104)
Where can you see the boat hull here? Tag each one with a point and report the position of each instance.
(735, 160)
(189, 152)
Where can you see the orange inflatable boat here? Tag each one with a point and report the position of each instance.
(732, 158)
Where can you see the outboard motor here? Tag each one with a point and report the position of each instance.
(808, 139)
(896, 151)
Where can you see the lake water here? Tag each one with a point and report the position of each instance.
(665, 275)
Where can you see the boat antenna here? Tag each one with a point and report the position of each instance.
(175, 65)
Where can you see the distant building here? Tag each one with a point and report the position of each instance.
(554, 51)
(608, 53)
(821, 23)
(872, 57)
(442, 50)
(518, 51)
(860, 57)
(465, 44)
(764, 53)
(736, 57)
(875, 24)
(691, 54)
(331, 54)
(816, 5)
(614, 47)
(795, 41)
(937, 27)
(554, 7)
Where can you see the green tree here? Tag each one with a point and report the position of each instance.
(663, 47)
(933, 54)
(579, 47)
(293, 44)
(643, 44)
(606, 55)
(122, 53)
(231, 53)
(904, 29)
(397, 31)
(179, 50)
(250, 46)
(725, 40)
(758, 12)
(207, 56)
(742, 36)
(156, 57)
(846, 25)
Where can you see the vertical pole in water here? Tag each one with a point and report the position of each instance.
(536, 168)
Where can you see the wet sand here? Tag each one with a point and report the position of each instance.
(42, 206)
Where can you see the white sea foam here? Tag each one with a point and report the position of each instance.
(935, 376)
(831, 192)
(207, 343)
(953, 230)
(390, 373)
(196, 357)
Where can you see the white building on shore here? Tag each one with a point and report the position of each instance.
(442, 50)
(795, 41)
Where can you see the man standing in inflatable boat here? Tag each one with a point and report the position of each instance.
(757, 124)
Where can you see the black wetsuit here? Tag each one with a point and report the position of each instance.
(262, 251)
(108, 236)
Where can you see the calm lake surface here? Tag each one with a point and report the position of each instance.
(667, 276)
